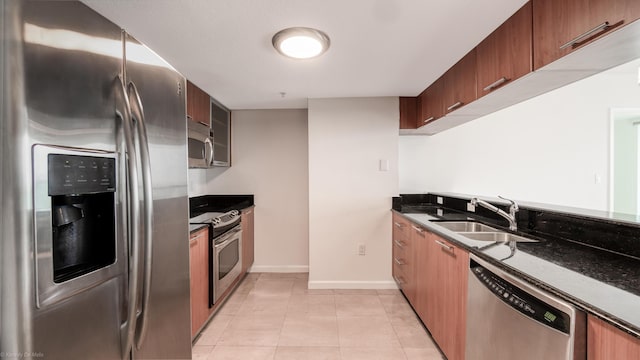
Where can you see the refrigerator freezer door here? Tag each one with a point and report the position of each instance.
(64, 59)
(166, 317)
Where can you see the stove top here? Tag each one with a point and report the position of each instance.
(217, 219)
(218, 222)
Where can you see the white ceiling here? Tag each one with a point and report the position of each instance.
(378, 47)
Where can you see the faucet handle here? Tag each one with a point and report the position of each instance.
(514, 206)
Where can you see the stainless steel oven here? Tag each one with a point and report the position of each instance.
(228, 260)
(225, 250)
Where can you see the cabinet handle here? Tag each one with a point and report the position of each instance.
(454, 106)
(449, 248)
(248, 212)
(399, 262)
(417, 229)
(398, 280)
(495, 84)
(575, 41)
(398, 243)
(430, 119)
(399, 225)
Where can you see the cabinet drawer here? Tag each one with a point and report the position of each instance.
(401, 228)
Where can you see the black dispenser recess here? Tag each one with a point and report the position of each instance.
(82, 191)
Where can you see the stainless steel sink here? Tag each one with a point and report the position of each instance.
(497, 236)
(467, 227)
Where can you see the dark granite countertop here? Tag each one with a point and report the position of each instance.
(601, 282)
(196, 227)
(218, 203)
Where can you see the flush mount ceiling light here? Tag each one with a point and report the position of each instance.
(300, 42)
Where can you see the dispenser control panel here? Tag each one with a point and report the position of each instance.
(75, 174)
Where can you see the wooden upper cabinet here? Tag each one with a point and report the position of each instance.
(506, 54)
(460, 83)
(561, 26)
(198, 104)
(431, 103)
(408, 112)
(605, 342)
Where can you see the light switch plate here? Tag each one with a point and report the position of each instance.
(384, 165)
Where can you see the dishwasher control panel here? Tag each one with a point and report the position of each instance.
(521, 300)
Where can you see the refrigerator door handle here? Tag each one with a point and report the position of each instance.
(137, 115)
(123, 112)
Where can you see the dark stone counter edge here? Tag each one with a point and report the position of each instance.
(218, 203)
(616, 236)
(195, 227)
(586, 307)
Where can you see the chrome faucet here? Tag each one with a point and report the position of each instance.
(511, 216)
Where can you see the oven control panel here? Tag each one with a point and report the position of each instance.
(521, 300)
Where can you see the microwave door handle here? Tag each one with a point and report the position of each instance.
(208, 149)
(137, 113)
(123, 112)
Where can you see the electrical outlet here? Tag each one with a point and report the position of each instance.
(362, 249)
(439, 200)
(471, 207)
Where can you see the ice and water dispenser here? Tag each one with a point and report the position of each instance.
(82, 192)
(75, 211)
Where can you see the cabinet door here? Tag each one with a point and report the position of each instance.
(460, 83)
(561, 26)
(506, 54)
(606, 342)
(403, 257)
(426, 281)
(247, 222)
(448, 303)
(198, 103)
(221, 126)
(199, 273)
(408, 116)
(432, 103)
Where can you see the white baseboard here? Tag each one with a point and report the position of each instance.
(353, 284)
(279, 269)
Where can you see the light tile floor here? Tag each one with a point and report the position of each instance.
(275, 316)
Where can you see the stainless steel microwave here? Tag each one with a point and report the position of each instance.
(200, 144)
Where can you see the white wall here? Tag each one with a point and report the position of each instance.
(550, 149)
(269, 160)
(349, 198)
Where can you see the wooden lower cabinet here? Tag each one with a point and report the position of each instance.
(199, 274)
(447, 270)
(604, 342)
(425, 282)
(403, 257)
(248, 245)
(440, 289)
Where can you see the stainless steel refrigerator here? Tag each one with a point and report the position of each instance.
(94, 252)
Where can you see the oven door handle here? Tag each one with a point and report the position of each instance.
(228, 238)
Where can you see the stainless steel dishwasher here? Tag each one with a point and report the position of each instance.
(508, 319)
